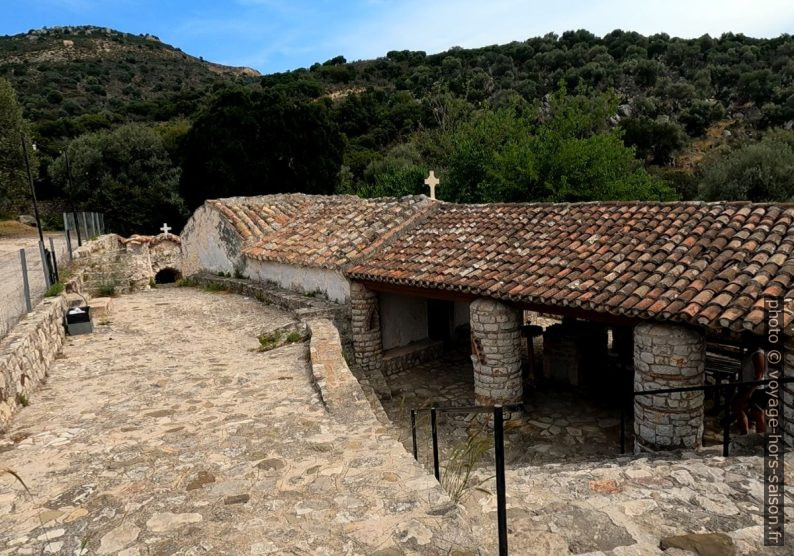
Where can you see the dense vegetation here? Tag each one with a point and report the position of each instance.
(570, 117)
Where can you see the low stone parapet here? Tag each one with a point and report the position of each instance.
(339, 390)
(301, 306)
(411, 355)
(27, 352)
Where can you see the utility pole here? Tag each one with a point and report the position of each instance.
(49, 272)
(32, 187)
(71, 196)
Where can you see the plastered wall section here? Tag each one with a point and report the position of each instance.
(403, 319)
(329, 283)
(209, 243)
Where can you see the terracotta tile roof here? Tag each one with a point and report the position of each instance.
(255, 217)
(706, 264)
(335, 230)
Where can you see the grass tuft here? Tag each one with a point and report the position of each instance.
(107, 290)
(456, 478)
(54, 290)
(215, 287)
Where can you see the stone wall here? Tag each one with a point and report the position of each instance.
(125, 265)
(365, 327)
(668, 356)
(416, 353)
(301, 306)
(27, 352)
(339, 390)
(496, 352)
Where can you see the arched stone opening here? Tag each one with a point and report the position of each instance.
(167, 275)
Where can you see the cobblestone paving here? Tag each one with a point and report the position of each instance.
(557, 425)
(167, 432)
(624, 507)
(568, 491)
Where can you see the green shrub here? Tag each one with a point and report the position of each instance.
(54, 290)
(107, 290)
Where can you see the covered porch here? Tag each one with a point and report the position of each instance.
(571, 369)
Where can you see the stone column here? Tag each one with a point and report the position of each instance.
(668, 356)
(787, 389)
(365, 328)
(496, 352)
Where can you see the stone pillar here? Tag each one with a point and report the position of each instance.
(365, 328)
(787, 389)
(668, 356)
(496, 352)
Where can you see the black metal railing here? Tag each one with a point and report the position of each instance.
(499, 453)
(727, 416)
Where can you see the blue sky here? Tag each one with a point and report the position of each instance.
(275, 35)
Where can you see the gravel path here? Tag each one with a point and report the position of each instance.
(168, 432)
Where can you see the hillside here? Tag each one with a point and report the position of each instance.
(376, 126)
(74, 79)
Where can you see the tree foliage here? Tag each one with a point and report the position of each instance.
(126, 174)
(251, 142)
(491, 121)
(760, 171)
(14, 130)
(559, 150)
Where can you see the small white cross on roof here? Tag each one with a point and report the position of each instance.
(432, 181)
(166, 228)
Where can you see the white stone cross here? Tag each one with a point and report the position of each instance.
(166, 228)
(432, 181)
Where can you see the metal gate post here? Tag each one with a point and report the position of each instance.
(413, 433)
(434, 431)
(69, 243)
(25, 283)
(45, 264)
(499, 452)
(54, 256)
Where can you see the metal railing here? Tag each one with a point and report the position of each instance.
(497, 412)
(727, 416)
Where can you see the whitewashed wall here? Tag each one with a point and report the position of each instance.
(210, 243)
(330, 283)
(403, 319)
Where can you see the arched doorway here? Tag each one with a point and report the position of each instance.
(167, 275)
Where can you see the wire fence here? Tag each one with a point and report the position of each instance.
(26, 282)
(83, 226)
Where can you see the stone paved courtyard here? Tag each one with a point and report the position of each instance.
(557, 425)
(167, 432)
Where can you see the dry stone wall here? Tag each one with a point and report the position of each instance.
(27, 352)
(496, 352)
(125, 265)
(668, 357)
